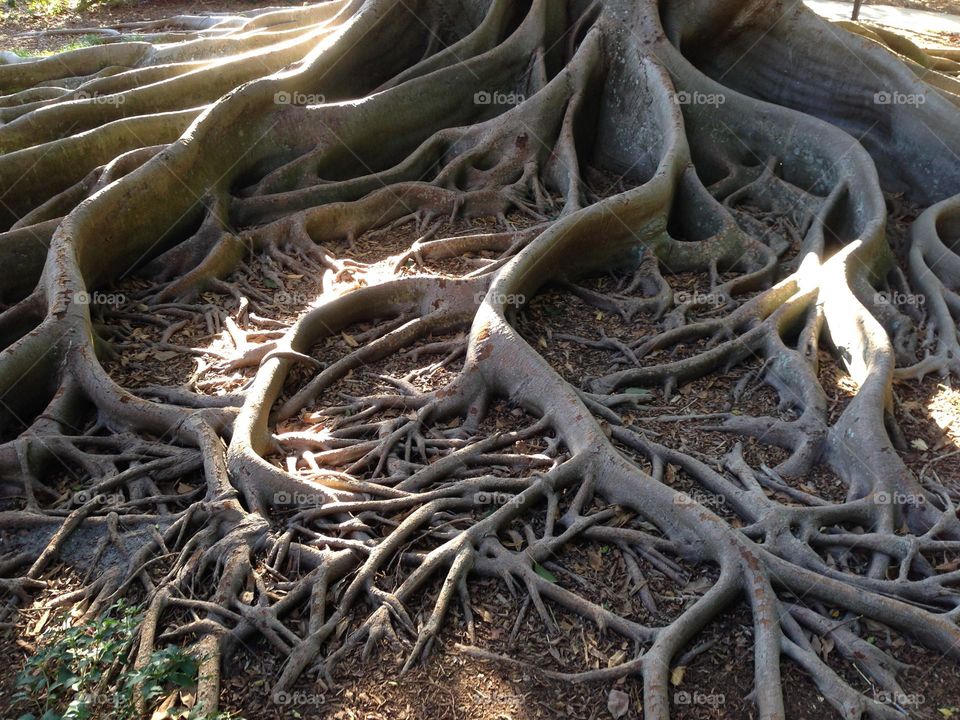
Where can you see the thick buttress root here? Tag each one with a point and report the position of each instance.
(613, 167)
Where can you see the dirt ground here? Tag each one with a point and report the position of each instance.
(19, 19)
(948, 6)
(714, 684)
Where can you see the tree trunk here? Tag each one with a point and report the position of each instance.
(748, 142)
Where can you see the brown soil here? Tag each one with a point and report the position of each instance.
(947, 6)
(715, 684)
(18, 19)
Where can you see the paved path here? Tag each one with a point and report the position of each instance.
(915, 21)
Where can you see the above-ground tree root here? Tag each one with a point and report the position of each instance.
(336, 470)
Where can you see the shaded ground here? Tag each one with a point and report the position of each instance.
(940, 6)
(714, 682)
(928, 24)
(949, 6)
(18, 19)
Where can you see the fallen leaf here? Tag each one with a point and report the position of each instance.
(949, 566)
(676, 675)
(596, 562)
(544, 573)
(826, 645)
(162, 712)
(515, 541)
(919, 445)
(188, 696)
(698, 586)
(41, 622)
(618, 703)
(617, 658)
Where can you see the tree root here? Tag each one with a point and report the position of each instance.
(328, 483)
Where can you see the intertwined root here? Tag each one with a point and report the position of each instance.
(346, 450)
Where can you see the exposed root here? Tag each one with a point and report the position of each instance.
(342, 448)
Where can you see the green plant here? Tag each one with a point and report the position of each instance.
(169, 666)
(88, 40)
(54, 7)
(82, 42)
(79, 672)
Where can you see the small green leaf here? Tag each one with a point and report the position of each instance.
(544, 573)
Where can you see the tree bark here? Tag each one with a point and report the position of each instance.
(751, 143)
